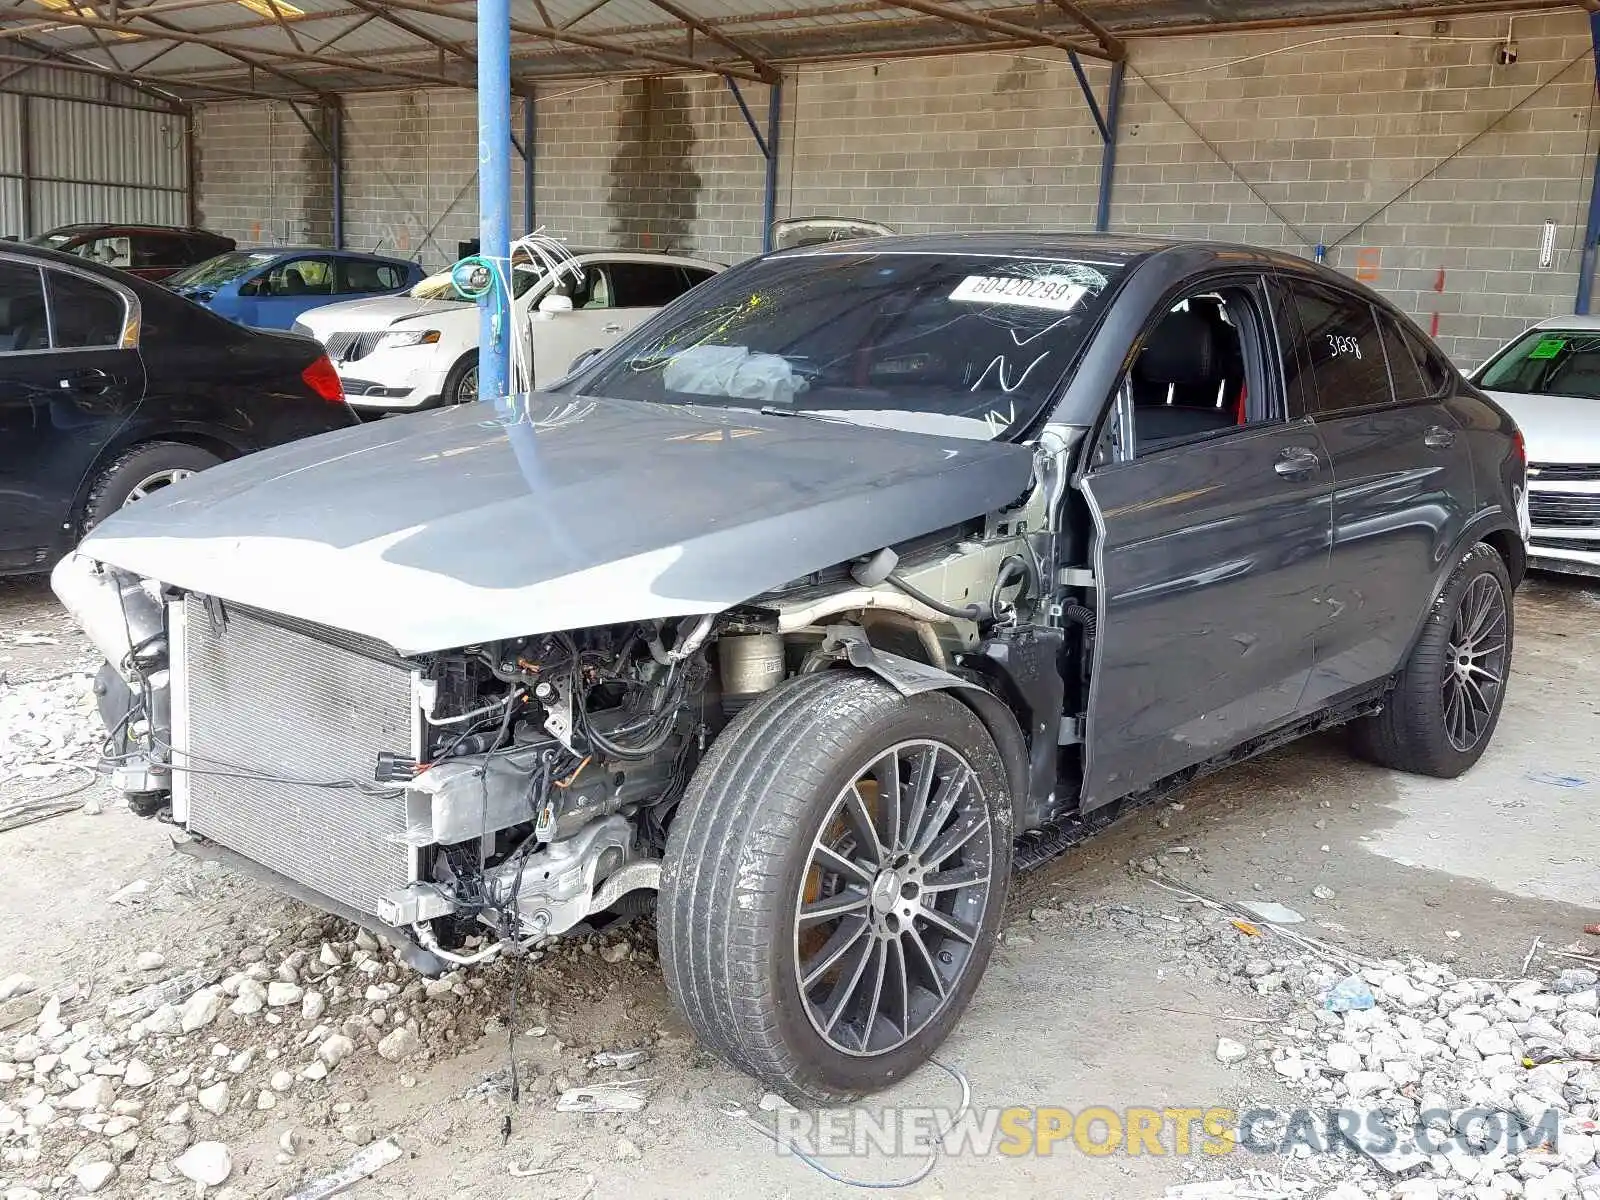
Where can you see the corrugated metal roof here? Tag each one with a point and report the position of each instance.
(337, 45)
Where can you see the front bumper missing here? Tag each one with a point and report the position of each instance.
(413, 955)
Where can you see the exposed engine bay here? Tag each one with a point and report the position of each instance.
(488, 796)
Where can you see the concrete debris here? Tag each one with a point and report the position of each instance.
(399, 1045)
(1272, 912)
(367, 1161)
(93, 1176)
(206, 1163)
(621, 1060)
(1230, 1051)
(150, 960)
(16, 985)
(598, 1099)
(772, 1102)
(213, 1099)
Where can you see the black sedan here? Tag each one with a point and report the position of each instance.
(112, 387)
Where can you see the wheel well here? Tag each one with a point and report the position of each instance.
(115, 450)
(1511, 551)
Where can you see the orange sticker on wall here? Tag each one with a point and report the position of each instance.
(1367, 264)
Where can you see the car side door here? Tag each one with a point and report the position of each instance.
(69, 379)
(1403, 485)
(1214, 521)
(287, 288)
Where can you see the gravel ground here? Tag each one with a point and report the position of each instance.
(166, 1026)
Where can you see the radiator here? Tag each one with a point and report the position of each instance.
(257, 694)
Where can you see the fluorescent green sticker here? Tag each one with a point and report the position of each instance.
(1548, 347)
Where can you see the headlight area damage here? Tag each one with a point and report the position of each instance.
(515, 788)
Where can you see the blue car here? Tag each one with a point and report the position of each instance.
(271, 287)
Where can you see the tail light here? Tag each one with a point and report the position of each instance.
(322, 379)
(1521, 447)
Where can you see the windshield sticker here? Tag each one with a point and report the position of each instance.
(1056, 293)
(1548, 347)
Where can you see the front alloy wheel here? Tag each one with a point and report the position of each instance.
(833, 884)
(890, 906)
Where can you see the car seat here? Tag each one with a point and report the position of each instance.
(1177, 379)
(294, 283)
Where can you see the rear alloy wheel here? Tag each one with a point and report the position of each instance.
(833, 883)
(140, 473)
(1447, 701)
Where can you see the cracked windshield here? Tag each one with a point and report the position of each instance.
(965, 346)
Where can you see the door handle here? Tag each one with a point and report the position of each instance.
(90, 383)
(612, 329)
(1438, 438)
(1297, 462)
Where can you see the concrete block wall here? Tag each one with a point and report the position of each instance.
(260, 175)
(1404, 150)
(665, 164)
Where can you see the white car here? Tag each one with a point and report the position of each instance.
(1548, 379)
(401, 353)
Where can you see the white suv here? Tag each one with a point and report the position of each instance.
(399, 353)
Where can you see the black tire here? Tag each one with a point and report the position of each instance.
(135, 473)
(739, 864)
(465, 369)
(1417, 729)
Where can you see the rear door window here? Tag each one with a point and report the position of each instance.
(1341, 347)
(1404, 371)
(23, 323)
(84, 313)
(366, 277)
(160, 250)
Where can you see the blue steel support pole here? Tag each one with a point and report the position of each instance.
(494, 192)
(769, 201)
(1108, 150)
(1591, 229)
(529, 129)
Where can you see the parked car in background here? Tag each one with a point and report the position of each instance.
(1548, 379)
(148, 251)
(112, 388)
(272, 288)
(858, 577)
(416, 351)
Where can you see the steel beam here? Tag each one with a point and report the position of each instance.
(550, 32)
(494, 196)
(335, 122)
(25, 135)
(66, 60)
(769, 200)
(1591, 228)
(1108, 147)
(977, 20)
(762, 66)
(162, 34)
(1112, 44)
(530, 151)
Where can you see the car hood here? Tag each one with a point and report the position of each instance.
(356, 316)
(1557, 429)
(477, 523)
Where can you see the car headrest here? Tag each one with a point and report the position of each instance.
(1182, 350)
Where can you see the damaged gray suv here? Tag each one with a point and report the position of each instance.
(855, 580)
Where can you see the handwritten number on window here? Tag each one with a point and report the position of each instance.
(1342, 344)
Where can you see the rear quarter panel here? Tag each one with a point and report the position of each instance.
(1498, 471)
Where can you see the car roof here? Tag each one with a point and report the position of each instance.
(354, 254)
(1570, 321)
(131, 226)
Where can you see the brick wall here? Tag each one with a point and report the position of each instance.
(1402, 151)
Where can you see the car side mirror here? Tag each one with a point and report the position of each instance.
(554, 305)
(584, 359)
